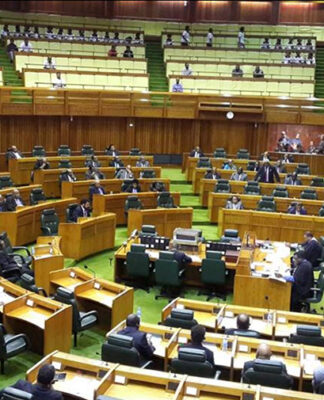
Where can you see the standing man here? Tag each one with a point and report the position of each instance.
(267, 174)
(185, 37)
(312, 249)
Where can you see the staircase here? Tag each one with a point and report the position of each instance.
(156, 68)
(10, 76)
(319, 73)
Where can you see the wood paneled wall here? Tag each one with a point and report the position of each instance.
(268, 12)
(168, 136)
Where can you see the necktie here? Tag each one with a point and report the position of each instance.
(267, 175)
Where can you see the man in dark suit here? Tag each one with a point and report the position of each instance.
(212, 174)
(267, 174)
(94, 173)
(312, 249)
(198, 333)
(96, 189)
(141, 163)
(181, 258)
(134, 187)
(140, 340)
(111, 151)
(292, 179)
(68, 176)
(14, 201)
(43, 388)
(83, 210)
(93, 162)
(14, 153)
(116, 162)
(242, 327)
(196, 152)
(157, 187)
(3, 205)
(41, 163)
(302, 280)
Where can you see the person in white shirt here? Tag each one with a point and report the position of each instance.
(49, 33)
(58, 82)
(241, 38)
(187, 71)
(308, 45)
(310, 59)
(298, 59)
(26, 46)
(265, 44)
(5, 31)
(287, 58)
(278, 45)
(210, 37)
(290, 45)
(168, 40)
(137, 39)
(69, 35)
(49, 63)
(185, 37)
(299, 45)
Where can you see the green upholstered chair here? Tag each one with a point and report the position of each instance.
(49, 222)
(168, 274)
(213, 274)
(165, 200)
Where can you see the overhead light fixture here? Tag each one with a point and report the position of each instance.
(230, 115)
(185, 3)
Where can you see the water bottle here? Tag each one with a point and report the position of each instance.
(269, 318)
(225, 344)
(139, 312)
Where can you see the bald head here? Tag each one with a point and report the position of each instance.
(264, 352)
(243, 322)
(133, 320)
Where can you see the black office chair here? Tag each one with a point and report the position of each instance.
(317, 181)
(28, 282)
(268, 373)
(87, 150)
(49, 222)
(138, 266)
(192, 362)
(5, 181)
(69, 212)
(133, 203)
(213, 274)
(222, 186)
(10, 393)
(309, 194)
(81, 321)
(120, 349)
(180, 318)
(321, 211)
(125, 185)
(250, 166)
(280, 191)
(148, 174)
(147, 230)
(165, 200)
(231, 235)
(168, 275)
(302, 169)
(266, 204)
(243, 154)
(38, 151)
(135, 151)
(307, 334)
(66, 164)
(220, 153)
(64, 150)
(11, 251)
(204, 162)
(36, 195)
(11, 345)
(252, 187)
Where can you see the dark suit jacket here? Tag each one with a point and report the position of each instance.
(181, 258)
(78, 212)
(38, 392)
(140, 341)
(261, 175)
(303, 280)
(130, 189)
(209, 353)
(192, 153)
(64, 176)
(94, 190)
(11, 203)
(313, 251)
(11, 154)
(38, 164)
(250, 364)
(118, 165)
(94, 175)
(209, 175)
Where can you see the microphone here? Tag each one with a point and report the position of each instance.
(91, 270)
(134, 234)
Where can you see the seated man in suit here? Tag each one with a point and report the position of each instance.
(242, 327)
(312, 249)
(93, 162)
(142, 344)
(157, 187)
(267, 174)
(292, 179)
(96, 189)
(181, 258)
(43, 388)
(196, 152)
(212, 174)
(125, 173)
(94, 173)
(198, 333)
(83, 210)
(3, 205)
(229, 165)
(234, 203)
(318, 378)
(297, 209)
(68, 176)
(142, 162)
(41, 163)
(239, 175)
(134, 187)
(14, 153)
(111, 151)
(14, 201)
(263, 353)
(116, 162)
(280, 167)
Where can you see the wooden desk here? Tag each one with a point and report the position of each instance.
(68, 277)
(23, 190)
(20, 170)
(47, 257)
(315, 161)
(237, 187)
(23, 225)
(216, 201)
(83, 375)
(88, 236)
(47, 323)
(115, 203)
(272, 226)
(9, 292)
(80, 189)
(165, 220)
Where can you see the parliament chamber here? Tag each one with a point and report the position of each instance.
(161, 200)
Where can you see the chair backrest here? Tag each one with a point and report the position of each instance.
(303, 168)
(220, 153)
(64, 150)
(38, 151)
(36, 195)
(87, 150)
(231, 233)
(135, 151)
(66, 296)
(308, 194)
(148, 230)
(222, 186)
(125, 185)
(5, 238)
(266, 203)
(148, 173)
(268, 373)
(246, 333)
(69, 212)
(243, 154)
(307, 334)
(120, 349)
(50, 220)
(317, 181)
(28, 282)
(133, 202)
(10, 393)
(167, 270)
(5, 181)
(137, 261)
(321, 212)
(181, 318)
(65, 164)
(165, 200)
(251, 165)
(213, 269)
(192, 362)
(203, 162)
(280, 192)
(252, 189)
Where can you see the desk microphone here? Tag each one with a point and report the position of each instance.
(91, 270)
(134, 234)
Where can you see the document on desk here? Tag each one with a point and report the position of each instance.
(83, 386)
(5, 298)
(222, 358)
